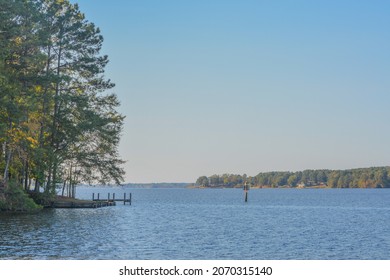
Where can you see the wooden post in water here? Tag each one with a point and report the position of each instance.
(246, 189)
(98, 196)
(130, 199)
(124, 199)
(113, 196)
(93, 196)
(108, 197)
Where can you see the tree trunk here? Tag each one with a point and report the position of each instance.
(63, 188)
(7, 165)
(51, 181)
(25, 179)
(8, 156)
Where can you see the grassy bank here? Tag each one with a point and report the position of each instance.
(14, 199)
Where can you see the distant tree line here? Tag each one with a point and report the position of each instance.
(374, 177)
(58, 124)
(157, 185)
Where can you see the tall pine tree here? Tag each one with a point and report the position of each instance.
(58, 124)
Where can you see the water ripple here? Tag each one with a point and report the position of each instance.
(209, 224)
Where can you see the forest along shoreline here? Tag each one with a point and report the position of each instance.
(59, 125)
(373, 177)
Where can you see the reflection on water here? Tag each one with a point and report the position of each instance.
(208, 224)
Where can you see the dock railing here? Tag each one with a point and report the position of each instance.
(113, 199)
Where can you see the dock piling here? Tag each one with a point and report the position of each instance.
(111, 201)
(246, 189)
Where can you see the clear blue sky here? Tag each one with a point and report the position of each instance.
(213, 87)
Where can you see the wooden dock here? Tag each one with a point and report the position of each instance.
(82, 204)
(125, 199)
(63, 202)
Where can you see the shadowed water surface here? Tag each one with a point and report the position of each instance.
(208, 224)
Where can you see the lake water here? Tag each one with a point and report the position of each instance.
(208, 224)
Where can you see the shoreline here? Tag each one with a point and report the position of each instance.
(281, 187)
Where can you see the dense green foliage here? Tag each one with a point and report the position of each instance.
(58, 124)
(375, 177)
(15, 199)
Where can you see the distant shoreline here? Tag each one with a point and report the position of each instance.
(372, 177)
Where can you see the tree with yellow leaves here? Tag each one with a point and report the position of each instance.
(58, 124)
